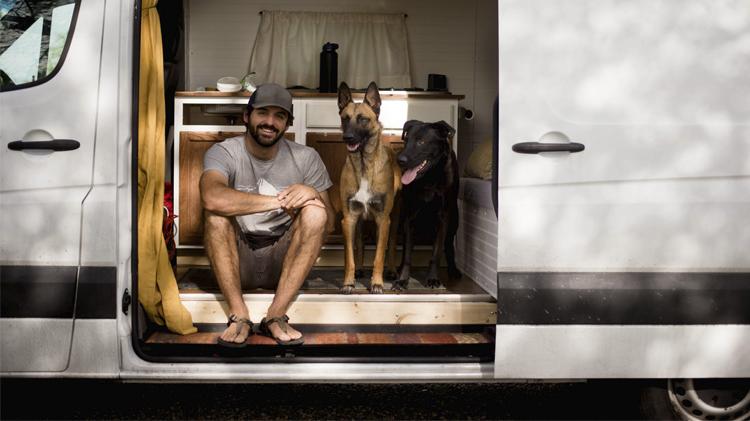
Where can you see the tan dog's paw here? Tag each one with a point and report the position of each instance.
(376, 289)
(347, 289)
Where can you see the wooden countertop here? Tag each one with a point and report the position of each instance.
(305, 93)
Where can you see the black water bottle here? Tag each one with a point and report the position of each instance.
(329, 68)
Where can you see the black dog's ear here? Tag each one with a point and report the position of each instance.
(372, 98)
(445, 129)
(345, 96)
(407, 126)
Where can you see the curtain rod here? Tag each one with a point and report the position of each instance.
(405, 15)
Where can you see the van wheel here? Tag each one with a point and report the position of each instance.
(697, 399)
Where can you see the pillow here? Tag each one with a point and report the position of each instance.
(479, 164)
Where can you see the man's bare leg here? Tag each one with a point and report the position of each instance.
(221, 247)
(307, 239)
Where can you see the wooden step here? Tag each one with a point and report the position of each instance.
(457, 302)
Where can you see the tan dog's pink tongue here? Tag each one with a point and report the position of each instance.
(409, 175)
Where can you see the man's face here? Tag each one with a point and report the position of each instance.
(267, 125)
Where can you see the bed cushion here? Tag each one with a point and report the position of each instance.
(479, 164)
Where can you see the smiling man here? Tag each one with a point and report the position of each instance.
(266, 214)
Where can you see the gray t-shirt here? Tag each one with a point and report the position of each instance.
(293, 164)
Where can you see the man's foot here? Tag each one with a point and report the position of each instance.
(237, 331)
(278, 329)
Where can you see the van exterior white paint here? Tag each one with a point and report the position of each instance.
(657, 93)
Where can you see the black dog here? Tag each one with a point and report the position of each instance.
(430, 193)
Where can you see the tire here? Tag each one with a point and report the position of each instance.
(697, 399)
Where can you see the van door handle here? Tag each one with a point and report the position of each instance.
(537, 147)
(55, 145)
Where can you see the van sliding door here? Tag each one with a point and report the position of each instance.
(49, 66)
(624, 189)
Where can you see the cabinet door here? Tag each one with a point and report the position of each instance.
(192, 147)
(332, 151)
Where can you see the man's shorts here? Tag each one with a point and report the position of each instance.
(261, 267)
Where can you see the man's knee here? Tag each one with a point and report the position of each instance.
(313, 218)
(216, 225)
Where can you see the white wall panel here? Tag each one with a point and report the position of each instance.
(455, 38)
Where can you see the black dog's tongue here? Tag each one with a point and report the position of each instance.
(409, 175)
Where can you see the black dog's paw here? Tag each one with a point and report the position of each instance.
(454, 273)
(390, 275)
(376, 289)
(399, 285)
(359, 274)
(433, 283)
(347, 289)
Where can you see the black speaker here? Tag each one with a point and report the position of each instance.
(436, 82)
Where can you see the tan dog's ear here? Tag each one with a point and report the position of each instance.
(407, 126)
(372, 98)
(345, 96)
(445, 129)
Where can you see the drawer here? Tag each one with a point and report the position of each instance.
(322, 114)
(393, 113)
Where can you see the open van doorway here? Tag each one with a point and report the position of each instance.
(454, 322)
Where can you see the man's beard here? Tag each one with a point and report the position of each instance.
(262, 142)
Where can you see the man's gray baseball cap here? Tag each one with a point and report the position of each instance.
(271, 94)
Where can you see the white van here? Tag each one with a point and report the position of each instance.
(619, 246)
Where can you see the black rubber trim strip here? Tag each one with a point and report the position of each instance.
(48, 292)
(623, 298)
(37, 291)
(97, 293)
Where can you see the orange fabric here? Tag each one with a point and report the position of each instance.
(157, 286)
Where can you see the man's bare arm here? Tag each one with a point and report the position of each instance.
(217, 197)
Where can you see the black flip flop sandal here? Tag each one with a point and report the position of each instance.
(283, 324)
(239, 320)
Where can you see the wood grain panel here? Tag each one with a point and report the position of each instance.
(333, 152)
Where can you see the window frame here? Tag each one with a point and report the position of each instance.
(60, 62)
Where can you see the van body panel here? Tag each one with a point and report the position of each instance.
(42, 192)
(625, 352)
(665, 127)
(135, 368)
(35, 344)
(654, 204)
(94, 350)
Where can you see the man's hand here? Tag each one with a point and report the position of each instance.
(297, 196)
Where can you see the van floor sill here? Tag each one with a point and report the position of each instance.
(383, 342)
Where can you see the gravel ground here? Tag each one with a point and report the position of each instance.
(23, 399)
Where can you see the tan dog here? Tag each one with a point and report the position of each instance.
(370, 180)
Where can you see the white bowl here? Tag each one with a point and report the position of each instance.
(228, 84)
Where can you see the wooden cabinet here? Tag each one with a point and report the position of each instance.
(204, 118)
(333, 152)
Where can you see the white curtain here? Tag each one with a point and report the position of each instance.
(372, 47)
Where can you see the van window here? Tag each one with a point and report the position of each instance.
(33, 36)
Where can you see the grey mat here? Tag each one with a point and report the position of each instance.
(318, 279)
